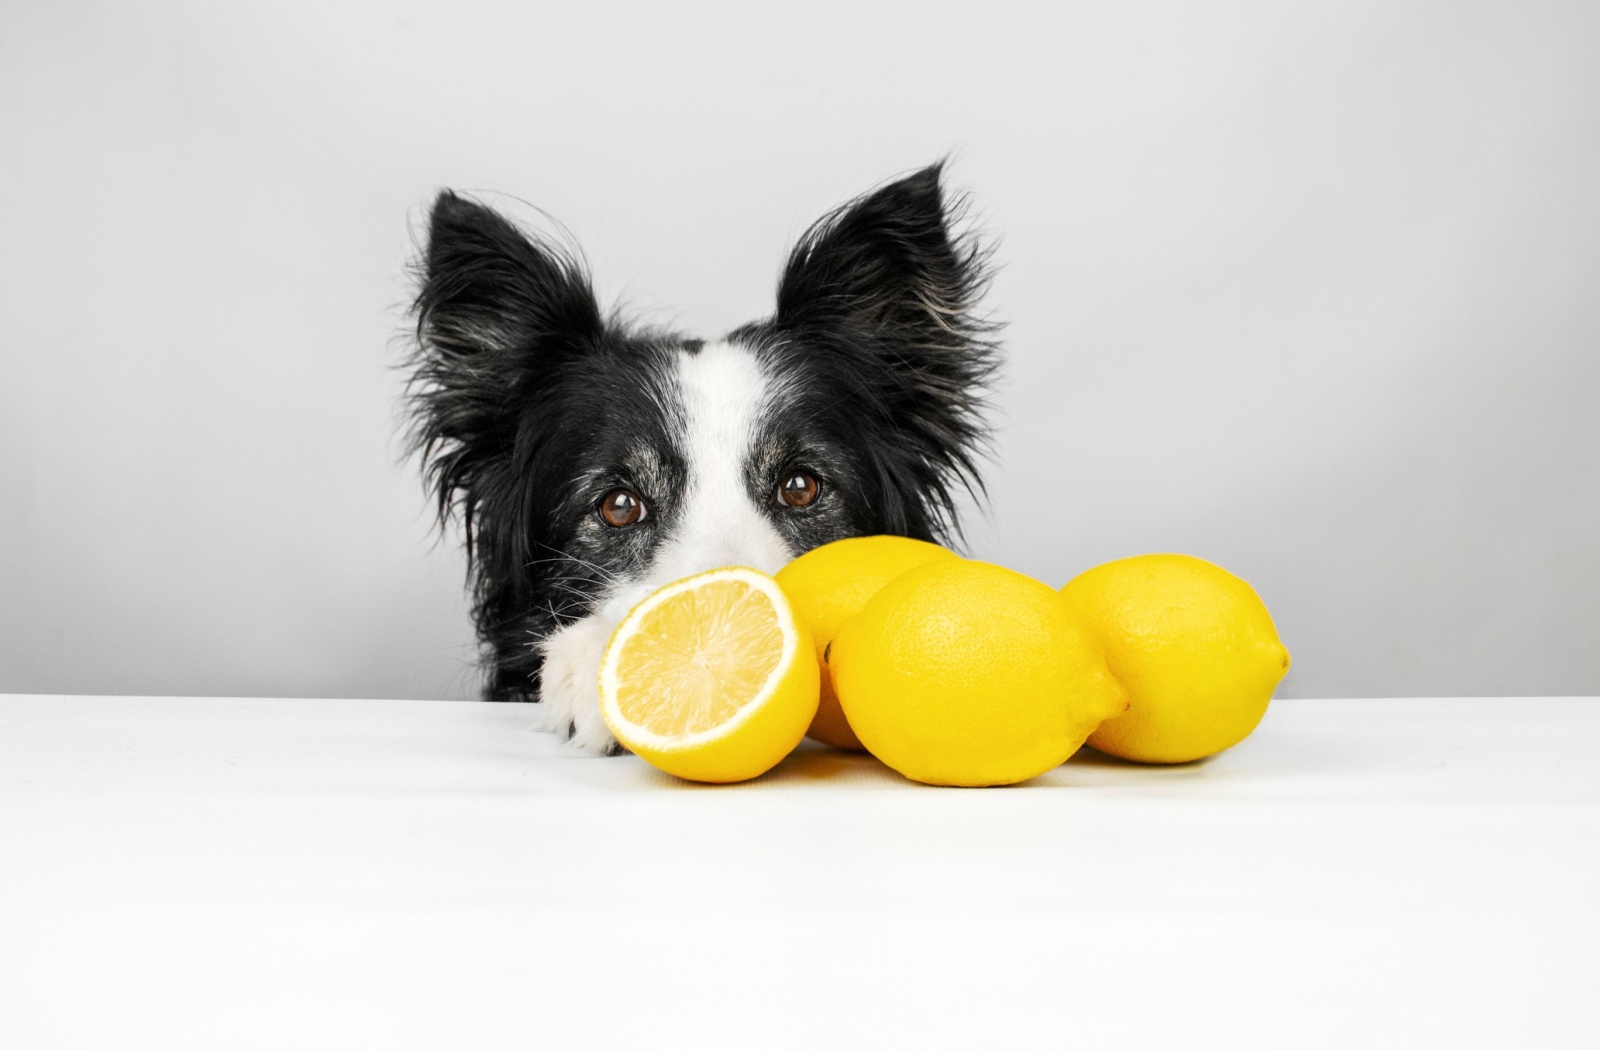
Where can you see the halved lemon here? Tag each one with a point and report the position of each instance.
(711, 678)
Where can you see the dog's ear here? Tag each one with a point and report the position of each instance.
(885, 263)
(496, 311)
(885, 288)
(491, 291)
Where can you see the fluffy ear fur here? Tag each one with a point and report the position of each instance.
(497, 315)
(884, 287)
(496, 311)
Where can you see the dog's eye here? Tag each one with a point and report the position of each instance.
(798, 488)
(620, 508)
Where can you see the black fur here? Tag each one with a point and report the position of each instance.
(876, 324)
(519, 390)
(528, 404)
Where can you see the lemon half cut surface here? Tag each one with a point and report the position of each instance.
(711, 678)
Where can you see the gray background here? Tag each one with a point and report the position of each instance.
(1309, 290)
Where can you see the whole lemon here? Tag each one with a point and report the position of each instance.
(965, 673)
(1195, 648)
(829, 584)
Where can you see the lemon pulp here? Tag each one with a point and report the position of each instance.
(696, 662)
(710, 678)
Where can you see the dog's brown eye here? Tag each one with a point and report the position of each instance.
(798, 488)
(620, 508)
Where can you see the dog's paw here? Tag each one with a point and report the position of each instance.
(569, 688)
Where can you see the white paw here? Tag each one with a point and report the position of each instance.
(569, 688)
(570, 682)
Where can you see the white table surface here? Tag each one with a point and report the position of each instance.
(260, 872)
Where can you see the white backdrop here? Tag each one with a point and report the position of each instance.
(1311, 290)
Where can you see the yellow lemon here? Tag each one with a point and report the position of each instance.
(965, 673)
(1195, 648)
(711, 678)
(832, 583)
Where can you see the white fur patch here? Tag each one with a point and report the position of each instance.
(722, 392)
(569, 689)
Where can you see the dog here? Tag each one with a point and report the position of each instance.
(589, 461)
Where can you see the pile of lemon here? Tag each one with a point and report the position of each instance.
(948, 670)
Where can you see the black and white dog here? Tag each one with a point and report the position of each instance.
(590, 463)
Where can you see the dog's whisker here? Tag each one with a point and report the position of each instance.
(602, 570)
